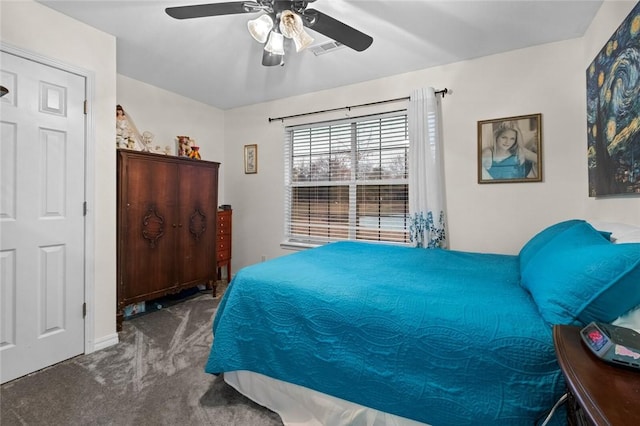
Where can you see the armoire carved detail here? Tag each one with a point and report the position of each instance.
(152, 226)
(197, 224)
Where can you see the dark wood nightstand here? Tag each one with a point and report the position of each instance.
(599, 393)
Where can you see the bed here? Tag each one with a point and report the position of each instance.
(361, 333)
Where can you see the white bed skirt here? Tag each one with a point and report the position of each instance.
(300, 406)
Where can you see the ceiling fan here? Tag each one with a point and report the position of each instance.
(281, 19)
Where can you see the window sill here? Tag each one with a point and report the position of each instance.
(297, 246)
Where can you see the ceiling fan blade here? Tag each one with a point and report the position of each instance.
(336, 30)
(213, 9)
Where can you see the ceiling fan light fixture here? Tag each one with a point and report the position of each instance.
(291, 27)
(275, 44)
(271, 59)
(260, 27)
(302, 41)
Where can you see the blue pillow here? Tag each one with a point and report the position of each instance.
(542, 238)
(580, 277)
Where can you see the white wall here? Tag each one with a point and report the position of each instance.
(167, 115)
(547, 79)
(39, 30)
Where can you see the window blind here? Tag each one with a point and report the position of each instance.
(347, 180)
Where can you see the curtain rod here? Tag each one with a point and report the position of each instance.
(438, 92)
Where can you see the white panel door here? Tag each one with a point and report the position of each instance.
(42, 222)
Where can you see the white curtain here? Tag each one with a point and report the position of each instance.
(426, 171)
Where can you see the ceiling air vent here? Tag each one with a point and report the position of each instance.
(321, 49)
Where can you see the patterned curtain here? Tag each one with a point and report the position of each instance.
(426, 171)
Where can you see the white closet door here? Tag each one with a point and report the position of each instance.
(42, 220)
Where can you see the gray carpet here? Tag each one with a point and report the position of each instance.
(154, 376)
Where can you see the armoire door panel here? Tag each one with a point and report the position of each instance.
(197, 207)
(149, 216)
(152, 239)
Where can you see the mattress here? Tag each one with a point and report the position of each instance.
(299, 406)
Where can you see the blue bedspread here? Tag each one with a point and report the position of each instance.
(438, 336)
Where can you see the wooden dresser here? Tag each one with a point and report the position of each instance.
(166, 220)
(223, 243)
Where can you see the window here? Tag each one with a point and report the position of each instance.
(347, 180)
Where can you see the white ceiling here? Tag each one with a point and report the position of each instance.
(214, 60)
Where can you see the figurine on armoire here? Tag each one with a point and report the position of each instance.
(127, 135)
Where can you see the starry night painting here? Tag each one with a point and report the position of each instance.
(613, 112)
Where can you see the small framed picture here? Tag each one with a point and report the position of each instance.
(251, 159)
(510, 149)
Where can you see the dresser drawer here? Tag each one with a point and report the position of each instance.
(223, 255)
(224, 228)
(223, 245)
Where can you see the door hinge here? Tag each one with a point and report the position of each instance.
(85, 107)
(84, 310)
(84, 208)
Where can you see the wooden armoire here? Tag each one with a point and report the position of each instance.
(166, 225)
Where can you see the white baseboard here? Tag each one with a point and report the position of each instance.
(106, 341)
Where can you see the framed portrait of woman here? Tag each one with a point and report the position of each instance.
(510, 149)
